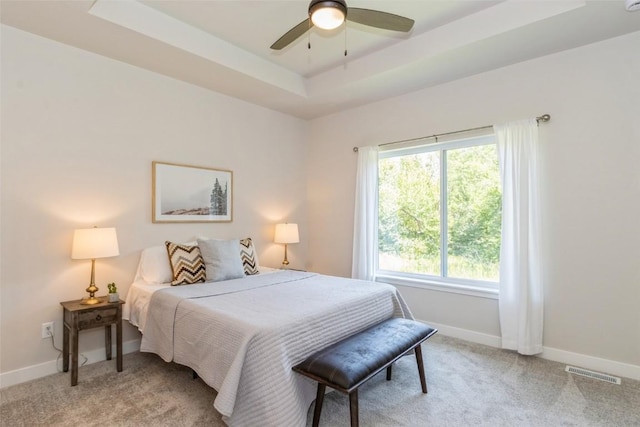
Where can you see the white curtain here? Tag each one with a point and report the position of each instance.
(521, 289)
(365, 219)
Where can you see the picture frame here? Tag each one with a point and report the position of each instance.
(184, 193)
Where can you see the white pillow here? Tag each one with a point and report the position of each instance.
(154, 265)
(221, 259)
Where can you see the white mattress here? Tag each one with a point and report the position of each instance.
(243, 336)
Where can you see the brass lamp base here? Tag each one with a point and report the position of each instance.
(286, 261)
(92, 289)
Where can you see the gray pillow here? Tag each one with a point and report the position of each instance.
(221, 259)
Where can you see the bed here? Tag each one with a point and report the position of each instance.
(243, 335)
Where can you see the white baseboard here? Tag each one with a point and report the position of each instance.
(51, 367)
(467, 335)
(604, 366)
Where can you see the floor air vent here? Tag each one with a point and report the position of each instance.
(594, 375)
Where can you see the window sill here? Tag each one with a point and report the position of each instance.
(434, 285)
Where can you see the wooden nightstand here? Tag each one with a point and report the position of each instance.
(77, 316)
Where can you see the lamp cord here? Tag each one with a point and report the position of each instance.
(53, 344)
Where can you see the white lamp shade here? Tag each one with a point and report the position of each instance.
(92, 243)
(327, 18)
(286, 233)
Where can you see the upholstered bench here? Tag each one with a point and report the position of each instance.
(347, 364)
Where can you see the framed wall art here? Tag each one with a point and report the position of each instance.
(183, 193)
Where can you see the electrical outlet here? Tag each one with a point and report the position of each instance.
(46, 327)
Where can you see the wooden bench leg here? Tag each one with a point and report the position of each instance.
(423, 381)
(353, 407)
(318, 409)
(389, 372)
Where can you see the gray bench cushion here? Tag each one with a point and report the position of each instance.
(352, 360)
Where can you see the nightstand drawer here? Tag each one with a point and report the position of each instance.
(91, 319)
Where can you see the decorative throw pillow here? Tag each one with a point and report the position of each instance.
(221, 259)
(248, 256)
(187, 264)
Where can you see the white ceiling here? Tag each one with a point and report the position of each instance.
(224, 45)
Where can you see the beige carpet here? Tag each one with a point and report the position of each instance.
(469, 385)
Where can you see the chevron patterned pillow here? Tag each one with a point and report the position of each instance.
(187, 264)
(248, 256)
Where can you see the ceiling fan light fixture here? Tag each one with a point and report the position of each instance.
(330, 14)
(327, 14)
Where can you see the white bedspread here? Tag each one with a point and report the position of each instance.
(243, 336)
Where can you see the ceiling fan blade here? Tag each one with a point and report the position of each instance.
(291, 35)
(379, 19)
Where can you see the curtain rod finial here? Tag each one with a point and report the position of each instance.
(355, 149)
(544, 118)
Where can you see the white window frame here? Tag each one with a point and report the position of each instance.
(479, 288)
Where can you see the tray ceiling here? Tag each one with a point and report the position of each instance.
(224, 45)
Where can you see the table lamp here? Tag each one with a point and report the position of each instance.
(286, 233)
(92, 243)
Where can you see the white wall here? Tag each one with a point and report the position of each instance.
(591, 189)
(79, 133)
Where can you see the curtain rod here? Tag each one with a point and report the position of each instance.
(543, 118)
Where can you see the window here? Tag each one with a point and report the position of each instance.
(439, 212)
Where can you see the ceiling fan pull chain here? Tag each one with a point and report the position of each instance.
(345, 37)
(309, 35)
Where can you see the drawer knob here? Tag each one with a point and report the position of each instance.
(98, 318)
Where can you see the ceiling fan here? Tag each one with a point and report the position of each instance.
(330, 14)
